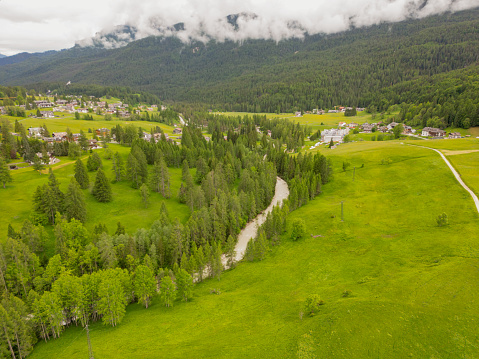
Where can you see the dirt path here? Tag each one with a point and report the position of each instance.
(281, 192)
(456, 174)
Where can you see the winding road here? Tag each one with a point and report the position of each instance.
(281, 192)
(457, 175)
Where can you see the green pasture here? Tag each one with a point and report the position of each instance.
(468, 166)
(394, 284)
(126, 207)
(64, 120)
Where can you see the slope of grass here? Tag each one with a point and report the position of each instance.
(126, 206)
(413, 285)
(468, 166)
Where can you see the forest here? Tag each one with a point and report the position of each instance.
(93, 276)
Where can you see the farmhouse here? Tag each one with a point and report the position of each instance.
(60, 136)
(392, 125)
(454, 135)
(35, 131)
(177, 131)
(102, 132)
(93, 144)
(47, 114)
(367, 127)
(433, 132)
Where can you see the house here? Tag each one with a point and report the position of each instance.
(51, 159)
(43, 104)
(268, 132)
(146, 136)
(367, 127)
(392, 125)
(383, 129)
(60, 136)
(432, 132)
(454, 135)
(353, 125)
(61, 102)
(102, 132)
(342, 124)
(407, 130)
(48, 139)
(47, 114)
(93, 144)
(333, 111)
(35, 131)
(297, 114)
(177, 131)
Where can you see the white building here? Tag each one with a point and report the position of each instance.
(336, 135)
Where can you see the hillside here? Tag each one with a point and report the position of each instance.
(319, 71)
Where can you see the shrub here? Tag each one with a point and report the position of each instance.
(312, 304)
(442, 220)
(299, 229)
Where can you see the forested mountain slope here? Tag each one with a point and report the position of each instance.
(349, 68)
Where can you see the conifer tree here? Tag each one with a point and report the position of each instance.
(5, 176)
(81, 174)
(94, 162)
(145, 195)
(160, 178)
(102, 189)
(75, 206)
(118, 167)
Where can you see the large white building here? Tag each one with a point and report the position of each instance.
(334, 134)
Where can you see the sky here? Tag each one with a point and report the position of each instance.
(37, 26)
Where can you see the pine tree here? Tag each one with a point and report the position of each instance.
(145, 195)
(81, 174)
(230, 252)
(83, 141)
(75, 206)
(94, 162)
(102, 189)
(118, 167)
(5, 176)
(160, 178)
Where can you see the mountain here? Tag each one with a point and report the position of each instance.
(318, 71)
(2, 56)
(15, 59)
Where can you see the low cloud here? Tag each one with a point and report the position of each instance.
(51, 24)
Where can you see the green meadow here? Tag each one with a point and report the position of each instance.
(394, 284)
(126, 206)
(64, 120)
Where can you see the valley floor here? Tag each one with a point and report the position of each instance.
(395, 285)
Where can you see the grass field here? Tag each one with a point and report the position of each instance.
(64, 120)
(413, 285)
(126, 206)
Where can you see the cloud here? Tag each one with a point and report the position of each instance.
(51, 24)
